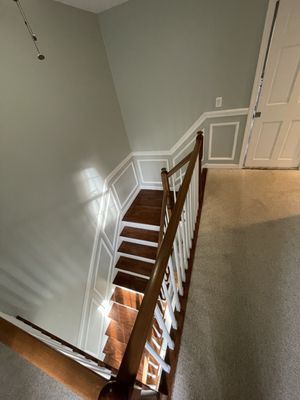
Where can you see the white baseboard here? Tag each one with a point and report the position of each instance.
(221, 166)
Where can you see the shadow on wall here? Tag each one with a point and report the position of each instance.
(251, 301)
(44, 261)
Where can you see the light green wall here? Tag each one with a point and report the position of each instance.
(61, 133)
(170, 59)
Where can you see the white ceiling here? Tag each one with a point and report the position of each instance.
(93, 5)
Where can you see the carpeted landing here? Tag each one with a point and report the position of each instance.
(241, 338)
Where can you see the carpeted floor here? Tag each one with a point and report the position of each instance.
(241, 338)
(20, 380)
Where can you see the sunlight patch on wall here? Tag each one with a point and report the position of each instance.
(90, 187)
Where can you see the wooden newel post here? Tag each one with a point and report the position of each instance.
(166, 188)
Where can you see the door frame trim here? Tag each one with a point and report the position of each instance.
(259, 68)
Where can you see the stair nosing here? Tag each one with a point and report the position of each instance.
(138, 245)
(138, 241)
(134, 257)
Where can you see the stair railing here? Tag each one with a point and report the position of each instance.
(180, 208)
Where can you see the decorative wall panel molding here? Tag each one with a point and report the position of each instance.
(111, 217)
(150, 169)
(125, 184)
(219, 148)
(103, 268)
(94, 330)
(119, 190)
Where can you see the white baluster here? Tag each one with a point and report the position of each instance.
(162, 325)
(166, 367)
(173, 283)
(190, 216)
(197, 184)
(180, 275)
(174, 188)
(180, 249)
(185, 226)
(169, 302)
(193, 183)
(188, 228)
(184, 245)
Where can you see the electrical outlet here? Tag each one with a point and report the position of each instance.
(219, 101)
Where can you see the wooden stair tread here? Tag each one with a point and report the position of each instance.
(120, 332)
(139, 250)
(112, 362)
(143, 215)
(127, 298)
(114, 351)
(115, 363)
(149, 197)
(131, 282)
(114, 348)
(122, 315)
(140, 234)
(133, 265)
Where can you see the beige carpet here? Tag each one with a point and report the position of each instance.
(241, 338)
(20, 380)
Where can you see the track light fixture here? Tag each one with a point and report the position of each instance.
(30, 31)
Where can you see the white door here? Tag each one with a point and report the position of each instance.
(275, 138)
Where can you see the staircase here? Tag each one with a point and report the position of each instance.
(137, 254)
(148, 304)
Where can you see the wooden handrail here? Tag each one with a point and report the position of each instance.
(184, 161)
(64, 343)
(136, 344)
(76, 377)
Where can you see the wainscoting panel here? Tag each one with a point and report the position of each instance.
(150, 169)
(111, 217)
(94, 330)
(222, 141)
(184, 150)
(125, 184)
(120, 189)
(103, 268)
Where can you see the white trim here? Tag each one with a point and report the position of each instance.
(88, 327)
(154, 187)
(259, 67)
(192, 130)
(151, 153)
(134, 257)
(139, 161)
(102, 245)
(88, 296)
(108, 205)
(204, 116)
(118, 168)
(139, 241)
(131, 164)
(222, 166)
(182, 150)
(86, 301)
(211, 131)
(138, 225)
